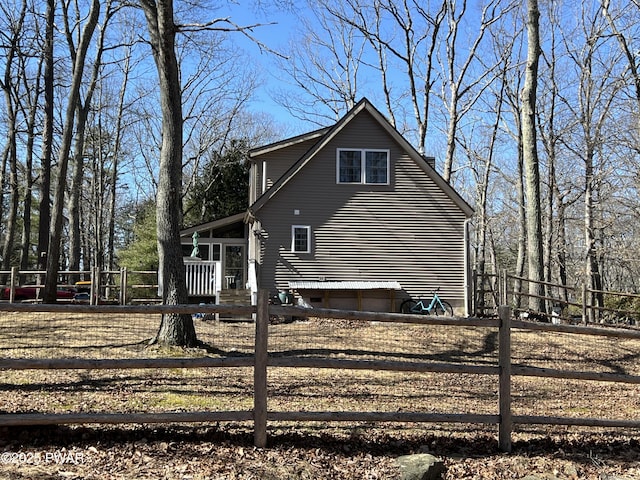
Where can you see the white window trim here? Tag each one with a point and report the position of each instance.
(363, 166)
(293, 238)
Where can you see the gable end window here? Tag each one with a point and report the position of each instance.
(301, 239)
(363, 166)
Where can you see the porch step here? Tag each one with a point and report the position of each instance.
(234, 297)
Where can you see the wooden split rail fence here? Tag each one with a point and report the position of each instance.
(261, 361)
(576, 304)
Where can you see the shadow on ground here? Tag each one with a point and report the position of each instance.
(454, 441)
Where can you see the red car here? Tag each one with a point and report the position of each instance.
(31, 293)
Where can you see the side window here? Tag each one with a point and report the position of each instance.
(300, 238)
(349, 166)
(362, 166)
(377, 167)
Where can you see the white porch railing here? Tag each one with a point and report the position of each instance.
(203, 277)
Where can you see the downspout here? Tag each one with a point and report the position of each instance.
(252, 273)
(253, 281)
(468, 294)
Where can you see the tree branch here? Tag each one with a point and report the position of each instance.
(226, 25)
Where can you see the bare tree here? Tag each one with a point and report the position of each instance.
(628, 44)
(530, 158)
(10, 86)
(591, 107)
(44, 206)
(404, 37)
(512, 88)
(115, 167)
(175, 329)
(323, 67)
(73, 99)
(82, 113)
(216, 88)
(460, 90)
(554, 125)
(483, 166)
(32, 109)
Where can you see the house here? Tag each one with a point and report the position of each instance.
(350, 216)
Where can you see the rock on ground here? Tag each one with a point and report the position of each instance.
(421, 466)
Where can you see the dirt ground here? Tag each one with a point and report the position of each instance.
(309, 450)
(360, 452)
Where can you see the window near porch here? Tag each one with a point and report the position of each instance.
(300, 239)
(363, 166)
(203, 249)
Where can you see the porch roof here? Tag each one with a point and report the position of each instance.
(221, 222)
(348, 285)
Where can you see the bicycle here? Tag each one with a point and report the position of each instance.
(435, 306)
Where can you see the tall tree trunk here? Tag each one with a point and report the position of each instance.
(531, 165)
(549, 139)
(77, 177)
(27, 199)
(561, 253)
(521, 255)
(12, 213)
(115, 166)
(55, 232)
(592, 270)
(483, 188)
(10, 154)
(548, 229)
(99, 181)
(174, 329)
(47, 141)
(25, 247)
(75, 190)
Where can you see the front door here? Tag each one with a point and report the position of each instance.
(234, 261)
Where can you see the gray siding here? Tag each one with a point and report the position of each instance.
(278, 162)
(409, 231)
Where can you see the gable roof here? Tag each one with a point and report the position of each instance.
(254, 152)
(327, 134)
(222, 222)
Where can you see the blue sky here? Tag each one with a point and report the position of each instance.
(275, 32)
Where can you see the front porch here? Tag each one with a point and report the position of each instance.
(207, 280)
(215, 258)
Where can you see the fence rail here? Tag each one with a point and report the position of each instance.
(570, 302)
(103, 285)
(123, 286)
(263, 358)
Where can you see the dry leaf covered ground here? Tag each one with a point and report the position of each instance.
(308, 450)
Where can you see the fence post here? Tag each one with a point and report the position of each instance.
(12, 285)
(474, 292)
(123, 285)
(504, 391)
(505, 287)
(584, 305)
(95, 286)
(260, 371)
